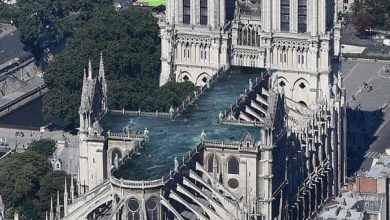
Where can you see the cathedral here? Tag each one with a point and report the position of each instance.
(297, 103)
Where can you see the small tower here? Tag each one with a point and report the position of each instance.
(71, 189)
(103, 83)
(51, 214)
(65, 198)
(78, 184)
(58, 208)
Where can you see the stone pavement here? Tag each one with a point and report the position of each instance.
(21, 137)
(369, 113)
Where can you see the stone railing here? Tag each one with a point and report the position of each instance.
(141, 184)
(232, 144)
(242, 122)
(212, 143)
(126, 135)
(140, 113)
(250, 16)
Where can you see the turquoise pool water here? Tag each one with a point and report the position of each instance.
(170, 139)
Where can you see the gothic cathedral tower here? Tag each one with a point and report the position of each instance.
(92, 164)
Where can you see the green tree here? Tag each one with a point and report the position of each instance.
(44, 147)
(131, 47)
(46, 24)
(49, 185)
(370, 14)
(20, 174)
(363, 21)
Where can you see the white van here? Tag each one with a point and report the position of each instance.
(386, 42)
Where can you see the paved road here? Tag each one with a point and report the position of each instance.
(10, 46)
(357, 73)
(368, 127)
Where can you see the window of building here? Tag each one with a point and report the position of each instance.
(302, 16)
(133, 207)
(233, 166)
(186, 11)
(285, 15)
(151, 209)
(299, 59)
(210, 164)
(203, 12)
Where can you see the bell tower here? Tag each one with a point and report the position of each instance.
(92, 143)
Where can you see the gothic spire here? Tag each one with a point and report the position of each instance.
(65, 198)
(71, 189)
(78, 183)
(46, 216)
(85, 75)
(89, 70)
(58, 210)
(51, 214)
(101, 67)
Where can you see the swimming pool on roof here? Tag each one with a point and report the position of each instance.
(170, 139)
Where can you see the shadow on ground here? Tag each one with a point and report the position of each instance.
(361, 128)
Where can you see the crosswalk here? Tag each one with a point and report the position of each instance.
(371, 154)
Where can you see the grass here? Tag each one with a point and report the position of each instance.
(151, 3)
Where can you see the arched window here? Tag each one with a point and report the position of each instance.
(233, 166)
(133, 207)
(210, 164)
(151, 208)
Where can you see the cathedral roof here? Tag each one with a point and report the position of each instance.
(87, 95)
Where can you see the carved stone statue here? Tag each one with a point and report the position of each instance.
(203, 136)
(176, 167)
(171, 112)
(220, 116)
(146, 135)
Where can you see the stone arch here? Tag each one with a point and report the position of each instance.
(151, 206)
(209, 160)
(184, 76)
(202, 79)
(233, 165)
(133, 207)
(299, 81)
(282, 82)
(301, 91)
